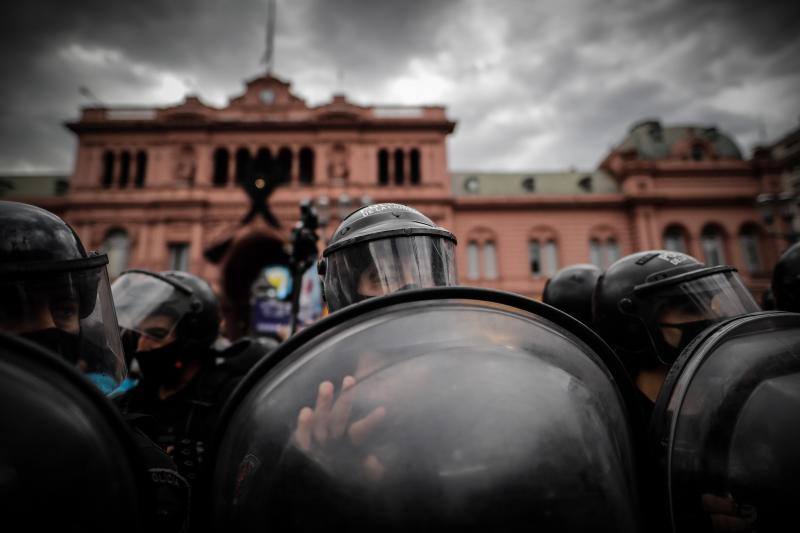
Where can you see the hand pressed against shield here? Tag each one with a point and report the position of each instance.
(330, 422)
(727, 515)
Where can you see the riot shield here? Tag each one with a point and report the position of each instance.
(446, 408)
(726, 427)
(67, 461)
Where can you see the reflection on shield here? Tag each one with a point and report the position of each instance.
(67, 460)
(442, 408)
(726, 426)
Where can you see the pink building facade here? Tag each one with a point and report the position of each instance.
(159, 189)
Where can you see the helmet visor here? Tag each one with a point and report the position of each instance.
(680, 311)
(149, 306)
(384, 266)
(71, 313)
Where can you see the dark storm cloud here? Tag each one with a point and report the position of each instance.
(545, 84)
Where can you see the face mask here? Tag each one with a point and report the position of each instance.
(66, 345)
(162, 365)
(689, 330)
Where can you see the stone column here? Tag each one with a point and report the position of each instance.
(320, 163)
(145, 236)
(116, 168)
(231, 166)
(158, 250)
(204, 165)
(390, 151)
(196, 247)
(295, 168)
(643, 222)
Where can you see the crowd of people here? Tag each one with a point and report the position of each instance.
(150, 344)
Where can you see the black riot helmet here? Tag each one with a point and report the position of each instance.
(650, 305)
(499, 413)
(67, 459)
(167, 306)
(55, 293)
(570, 289)
(786, 280)
(384, 248)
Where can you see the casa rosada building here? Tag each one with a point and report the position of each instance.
(161, 188)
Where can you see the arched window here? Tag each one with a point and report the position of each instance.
(141, 169)
(117, 246)
(482, 255)
(399, 167)
(675, 239)
(595, 252)
(124, 169)
(383, 167)
(263, 166)
(603, 247)
(713, 242)
(535, 256)
(414, 171)
(108, 169)
(244, 165)
(489, 260)
(612, 250)
(542, 252)
(750, 242)
(283, 168)
(306, 165)
(473, 261)
(543, 257)
(221, 167)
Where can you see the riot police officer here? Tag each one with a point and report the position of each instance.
(786, 280)
(649, 305)
(376, 250)
(570, 290)
(171, 321)
(56, 294)
(384, 248)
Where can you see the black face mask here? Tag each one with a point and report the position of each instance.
(689, 330)
(66, 345)
(161, 366)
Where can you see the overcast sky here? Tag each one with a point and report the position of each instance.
(533, 84)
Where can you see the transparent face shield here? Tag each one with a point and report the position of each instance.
(72, 314)
(149, 306)
(679, 312)
(384, 266)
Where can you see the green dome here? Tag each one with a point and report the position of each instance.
(650, 140)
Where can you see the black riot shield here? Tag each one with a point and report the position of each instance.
(726, 427)
(446, 408)
(67, 461)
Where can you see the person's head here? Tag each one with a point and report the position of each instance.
(169, 319)
(786, 280)
(55, 293)
(384, 248)
(650, 305)
(570, 290)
